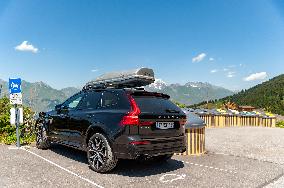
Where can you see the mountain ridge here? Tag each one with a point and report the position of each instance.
(191, 92)
(42, 97)
(39, 95)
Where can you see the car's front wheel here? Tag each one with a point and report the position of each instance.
(100, 155)
(42, 141)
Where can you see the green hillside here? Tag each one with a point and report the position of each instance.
(268, 95)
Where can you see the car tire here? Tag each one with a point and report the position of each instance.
(42, 141)
(100, 154)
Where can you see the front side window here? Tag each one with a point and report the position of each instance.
(73, 102)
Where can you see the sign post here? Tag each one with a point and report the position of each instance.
(16, 99)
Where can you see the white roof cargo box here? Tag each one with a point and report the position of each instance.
(123, 79)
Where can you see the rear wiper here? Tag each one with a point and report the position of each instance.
(172, 111)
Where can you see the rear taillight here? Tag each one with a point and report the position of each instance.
(131, 118)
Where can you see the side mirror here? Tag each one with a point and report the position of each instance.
(61, 108)
(58, 107)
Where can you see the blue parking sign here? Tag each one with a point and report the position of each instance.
(15, 85)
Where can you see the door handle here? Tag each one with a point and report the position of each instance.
(64, 116)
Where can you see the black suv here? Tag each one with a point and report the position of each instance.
(112, 124)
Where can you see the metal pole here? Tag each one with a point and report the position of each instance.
(17, 125)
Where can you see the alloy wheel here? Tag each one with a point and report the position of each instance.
(39, 136)
(97, 153)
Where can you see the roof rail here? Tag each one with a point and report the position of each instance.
(122, 79)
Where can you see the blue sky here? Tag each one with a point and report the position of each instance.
(72, 42)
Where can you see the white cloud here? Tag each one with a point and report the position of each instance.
(211, 59)
(225, 69)
(94, 70)
(214, 71)
(231, 74)
(256, 76)
(25, 47)
(198, 58)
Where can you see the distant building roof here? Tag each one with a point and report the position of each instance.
(246, 108)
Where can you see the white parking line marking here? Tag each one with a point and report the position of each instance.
(66, 170)
(211, 167)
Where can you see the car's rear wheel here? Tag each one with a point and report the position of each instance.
(100, 155)
(42, 141)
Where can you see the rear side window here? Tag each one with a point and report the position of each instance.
(114, 100)
(155, 104)
(90, 101)
(109, 99)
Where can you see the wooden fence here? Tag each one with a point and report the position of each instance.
(235, 121)
(195, 141)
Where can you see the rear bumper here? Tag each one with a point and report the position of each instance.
(157, 146)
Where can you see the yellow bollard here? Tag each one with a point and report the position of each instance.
(195, 141)
(273, 123)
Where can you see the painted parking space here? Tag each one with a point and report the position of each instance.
(211, 170)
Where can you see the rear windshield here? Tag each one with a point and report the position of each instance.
(155, 104)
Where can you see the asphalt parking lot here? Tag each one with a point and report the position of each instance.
(232, 161)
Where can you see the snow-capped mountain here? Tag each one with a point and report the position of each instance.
(159, 84)
(191, 92)
(197, 84)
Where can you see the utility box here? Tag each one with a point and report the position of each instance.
(13, 116)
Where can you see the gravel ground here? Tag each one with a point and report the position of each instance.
(263, 144)
(24, 169)
(237, 157)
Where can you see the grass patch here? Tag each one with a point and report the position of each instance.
(280, 124)
(12, 138)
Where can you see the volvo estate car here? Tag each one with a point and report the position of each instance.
(115, 123)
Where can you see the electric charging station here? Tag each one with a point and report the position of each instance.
(16, 113)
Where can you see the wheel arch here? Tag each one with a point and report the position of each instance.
(92, 130)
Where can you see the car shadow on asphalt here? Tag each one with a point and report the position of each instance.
(133, 168)
(71, 153)
(130, 168)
